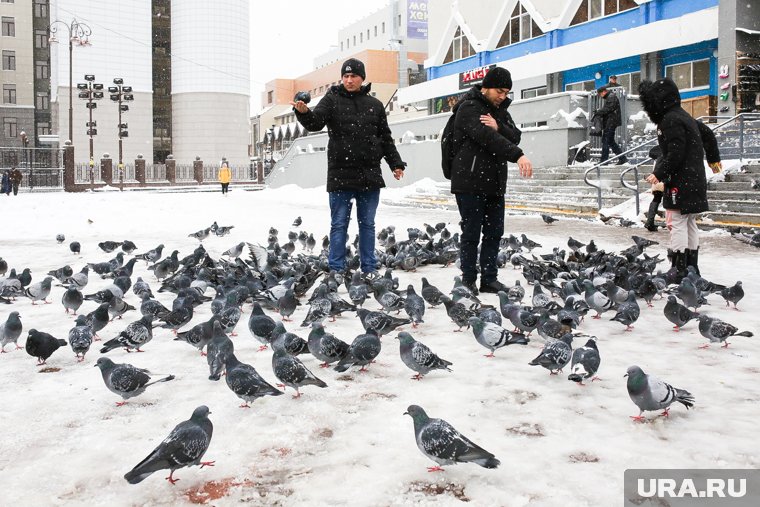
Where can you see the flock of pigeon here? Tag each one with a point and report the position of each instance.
(278, 278)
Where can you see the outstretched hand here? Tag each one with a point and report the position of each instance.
(398, 173)
(300, 106)
(525, 166)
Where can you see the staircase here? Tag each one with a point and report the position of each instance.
(733, 202)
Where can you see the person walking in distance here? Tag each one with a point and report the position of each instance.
(611, 116)
(359, 138)
(15, 179)
(225, 175)
(484, 139)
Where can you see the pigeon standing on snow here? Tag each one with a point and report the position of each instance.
(555, 355)
(596, 300)
(431, 293)
(219, 350)
(261, 325)
(79, 280)
(200, 235)
(297, 222)
(151, 255)
(362, 351)
(39, 291)
(246, 383)
(493, 336)
(10, 331)
(199, 335)
(125, 380)
(98, 318)
(548, 219)
(62, 273)
(440, 442)
(291, 371)
(650, 393)
(379, 321)
(80, 337)
(72, 299)
(109, 246)
(718, 331)
(60, 238)
(134, 336)
(325, 346)
(235, 251)
(414, 306)
(418, 357)
(42, 345)
(184, 447)
(75, 247)
(677, 313)
(585, 362)
(628, 312)
(733, 294)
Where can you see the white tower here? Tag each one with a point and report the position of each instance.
(210, 80)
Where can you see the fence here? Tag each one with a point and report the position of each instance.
(185, 172)
(596, 102)
(155, 172)
(82, 174)
(41, 168)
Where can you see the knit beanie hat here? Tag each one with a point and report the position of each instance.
(353, 66)
(498, 77)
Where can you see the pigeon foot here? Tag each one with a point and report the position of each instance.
(435, 469)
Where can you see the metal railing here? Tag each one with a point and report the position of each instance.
(184, 172)
(155, 172)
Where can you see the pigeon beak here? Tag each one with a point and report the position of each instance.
(625, 375)
(406, 413)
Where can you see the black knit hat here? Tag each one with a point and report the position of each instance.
(498, 77)
(353, 66)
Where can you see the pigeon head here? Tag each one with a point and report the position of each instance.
(201, 412)
(405, 338)
(476, 323)
(417, 414)
(591, 342)
(104, 363)
(318, 328)
(14, 315)
(81, 320)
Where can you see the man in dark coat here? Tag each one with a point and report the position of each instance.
(15, 179)
(359, 139)
(611, 115)
(684, 143)
(485, 138)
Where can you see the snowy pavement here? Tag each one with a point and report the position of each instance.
(66, 443)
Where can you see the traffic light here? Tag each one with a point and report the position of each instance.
(97, 86)
(123, 126)
(89, 77)
(113, 89)
(126, 89)
(129, 96)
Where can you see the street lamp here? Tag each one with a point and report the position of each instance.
(121, 94)
(79, 33)
(25, 144)
(91, 91)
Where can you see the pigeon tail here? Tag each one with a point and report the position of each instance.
(518, 339)
(165, 379)
(685, 397)
(110, 345)
(748, 334)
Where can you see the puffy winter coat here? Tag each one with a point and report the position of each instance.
(16, 176)
(611, 112)
(359, 138)
(225, 174)
(482, 153)
(684, 142)
(5, 186)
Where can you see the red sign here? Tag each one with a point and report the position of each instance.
(473, 77)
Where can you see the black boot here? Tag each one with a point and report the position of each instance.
(679, 265)
(692, 259)
(650, 225)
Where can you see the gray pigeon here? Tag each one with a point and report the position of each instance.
(134, 336)
(80, 337)
(229, 317)
(414, 306)
(79, 280)
(516, 293)
(72, 299)
(628, 312)
(555, 355)
(418, 357)
(379, 321)
(219, 350)
(246, 383)
(493, 336)
(357, 290)
(291, 371)
(261, 326)
(325, 346)
(596, 300)
(142, 288)
(126, 380)
(39, 291)
(184, 447)
(677, 313)
(199, 335)
(201, 234)
(439, 441)
(585, 362)
(389, 300)
(291, 342)
(650, 393)
(42, 345)
(151, 255)
(431, 293)
(235, 251)
(718, 331)
(98, 318)
(62, 273)
(10, 331)
(362, 351)
(288, 304)
(733, 294)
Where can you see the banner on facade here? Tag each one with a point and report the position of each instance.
(473, 77)
(417, 19)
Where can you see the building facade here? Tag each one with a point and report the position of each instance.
(552, 46)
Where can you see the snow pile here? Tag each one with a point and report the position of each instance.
(569, 119)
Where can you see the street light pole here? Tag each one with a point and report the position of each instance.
(79, 32)
(121, 94)
(25, 144)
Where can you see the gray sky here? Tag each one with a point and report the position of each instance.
(286, 35)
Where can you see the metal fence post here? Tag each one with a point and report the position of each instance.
(741, 136)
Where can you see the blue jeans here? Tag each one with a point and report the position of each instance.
(340, 216)
(480, 214)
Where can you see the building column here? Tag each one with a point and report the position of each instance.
(198, 170)
(171, 170)
(69, 168)
(140, 170)
(106, 170)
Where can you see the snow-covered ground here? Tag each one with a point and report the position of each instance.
(66, 443)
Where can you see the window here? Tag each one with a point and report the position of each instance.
(581, 86)
(40, 9)
(42, 101)
(354, 40)
(43, 128)
(460, 47)
(160, 132)
(529, 93)
(383, 25)
(41, 39)
(367, 33)
(630, 82)
(341, 46)
(690, 75)
(7, 1)
(41, 70)
(9, 94)
(375, 30)
(399, 20)
(9, 60)
(9, 27)
(520, 27)
(592, 9)
(270, 95)
(10, 127)
(361, 37)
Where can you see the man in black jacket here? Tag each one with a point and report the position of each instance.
(611, 115)
(485, 138)
(359, 139)
(684, 143)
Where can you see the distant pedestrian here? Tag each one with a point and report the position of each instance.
(5, 186)
(613, 82)
(611, 118)
(225, 175)
(15, 179)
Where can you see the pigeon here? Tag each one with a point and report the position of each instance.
(80, 337)
(716, 330)
(461, 291)
(596, 300)
(109, 246)
(414, 306)
(246, 383)
(430, 293)
(689, 294)
(523, 320)
(458, 313)
(199, 335)
(62, 273)
(297, 222)
(291, 342)
(126, 380)
(185, 446)
(25, 277)
(362, 351)
(261, 325)
(134, 336)
(528, 244)
(555, 355)
(677, 313)
(128, 247)
(516, 293)
(650, 393)
(201, 234)
(178, 317)
(490, 315)
(390, 301)
(60, 238)
(548, 219)
(287, 304)
(39, 291)
(540, 298)
(291, 371)
(72, 299)
(229, 317)
(141, 287)
(235, 251)
(3, 266)
(223, 230)
(628, 312)
(319, 307)
(152, 255)
(574, 244)
(98, 318)
(75, 247)
(379, 321)
(585, 362)
(219, 350)
(78, 280)
(442, 443)
(418, 357)
(152, 307)
(42, 345)
(733, 294)
(325, 346)
(163, 268)
(493, 337)
(10, 331)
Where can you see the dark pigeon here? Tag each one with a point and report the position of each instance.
(291, 371)
(585, 362)
(72, 299)
(418, 357)
(555, 355)
(379, 321)
(261, 325)
(325, 346)
(718, 331)
(134, 336)
(362, 351)
(246, 383)
(10, 331)
(219, 350)
(42, 345)
(80, 337)
(677, 313)
(126, 380)
(733, 294)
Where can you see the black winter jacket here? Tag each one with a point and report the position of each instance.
(611, 112)
(684, 143)
(359, 138)
(480, 163)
